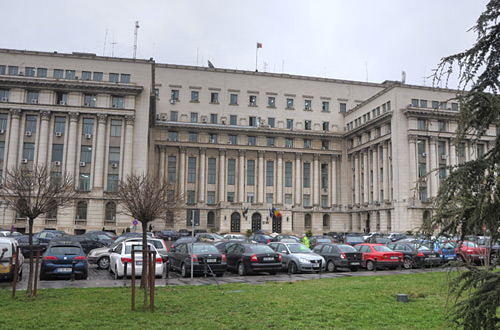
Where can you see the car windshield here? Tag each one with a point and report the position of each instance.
(381, 248)
(299, 248)
(323, 240)
(64, 250)
(204, 249)
(128, 248)
(156, 243)
(346, 248)
(261, 249)
(446, 245)
(217, 236)
(104, 236)
(354, 239)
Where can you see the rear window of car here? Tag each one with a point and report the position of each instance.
(346, 248)
(128, 248)
(205, 249)
(382, 248)
(261, 249)
(298, 248)
(65, 250)
(157, 244)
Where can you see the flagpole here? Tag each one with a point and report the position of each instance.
(256, 53)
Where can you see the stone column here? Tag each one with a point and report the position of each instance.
(333, 188)
(366, 183)
(182, 171)
(260, 188)
(385, 165)
(453, 154)
(43, 138)
(413, 160)
(434, 178)
(13, 146)
(298, 183)
(222, 171)
(203, 160)
(241, 177)
(279, 179)
(375, 170)
(128, 148)
(356, 178)
(71, 153)
(162, 171)
(100, 154)
(316, 184)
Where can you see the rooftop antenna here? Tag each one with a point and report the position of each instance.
(366, 68)
(403, 77)
(113, 47)
(135, 37)
(105, 39)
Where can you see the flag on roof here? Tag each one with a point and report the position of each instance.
(259, 45)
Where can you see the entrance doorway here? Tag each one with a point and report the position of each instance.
(277, 224)
(235, 222)
(256, 222)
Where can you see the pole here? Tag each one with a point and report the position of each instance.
(256, 53)
(192, 242)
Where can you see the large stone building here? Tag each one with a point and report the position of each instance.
(324, 154)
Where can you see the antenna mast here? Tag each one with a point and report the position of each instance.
(135, 37)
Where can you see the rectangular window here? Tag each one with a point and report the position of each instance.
(61, 98)
(307, 144)
(252, 100)
(84, 182)
(29, 151)
(172, 136)
(191, 170)
(231, 169)
(251, 140)
(325, 106)
(86, 75)
(31, 123)
(422, 192)
(270, 141)
(193, 137)
(190, 196)
(288, 199)
(29, 72)
(98, 76)
(289, 123)
(343, 107)
(414, 103)
(232, 139)
(269, 198)
(250, 172)
(250, 197)
(116, 127)
(443, 105)
(441, 125)
(88, 126)
(86, 154)
(252, 121)
(454, 106)
(269, 173)
(233, 99)
(270, 122)
(4, 95)
(117, 102)
(289, 103)
(308, 105)
(195, 96)
(230, 196)
(210, 197)
(442, 173)
(421, 147)
(174, 95)
(307, 175)
(58, 73)
(194, 117)
(114, 77)
(112, 182)
(288, 174)
(233, 120)
(125, 78)
(271, 101)
(307, 200)
(114, 155)
(214, 98)
(212, 138)
(423, 103)
(41, 72)
(288, 142)
(57, 152)
(32, 97)
(435, 104)
(59, 125)
(13, 70)
(324, 176)
(2, 150)
(70, 74)
(213, 118)
(174, 115)
(421, 124)
(324, 201)
(480, 150)
(89, 100)
(212, 169)
(307, 125)
(2, 69)
(326, 126)
(172, 163)
(324, 145)
(422, 170)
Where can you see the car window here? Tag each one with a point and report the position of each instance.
(157, 244)
(343, 248)
(118, 249)
(261, 249)
(381, 248)
(65, 250)
(318, 248)
(298, 248)
(200, 249)
(365, 249)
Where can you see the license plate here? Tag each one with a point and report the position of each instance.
(138, 263)
(268, 258)
(63, 270)
(4, 269)
(211, 260)
(355, 263)
(394, 258)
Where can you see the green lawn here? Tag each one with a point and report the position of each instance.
(337, 303)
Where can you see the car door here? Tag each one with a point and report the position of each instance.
(115, 255)
(285, 254)
(178, 255)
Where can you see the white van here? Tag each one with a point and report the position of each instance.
(8, 248)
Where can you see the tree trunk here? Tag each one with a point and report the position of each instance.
(145, 264)
(29, 290)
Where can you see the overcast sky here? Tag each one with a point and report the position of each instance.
(362, 40)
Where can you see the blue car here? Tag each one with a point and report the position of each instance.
(446, 251)
(63, 259)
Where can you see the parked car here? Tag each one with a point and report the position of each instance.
(88, 242)
(396, 236)
(446, 251)
(187, 239)
(320, 239)
(379, 256)
(493, 247)
(8, 233)
(8, 256)
(248, 258)
(222, 246)
(336, 236)
(416, 255)
(296, 257)
(24, 245)
(45, 236)
(60, 258)
(184, 232)
(339, 256)
(286, 238)
(122, 253)
(469, 252)
(261, 238)
(353, 239)
(206, 257)
(208, 237)
(168, 235)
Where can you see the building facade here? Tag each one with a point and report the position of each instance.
(245, 150)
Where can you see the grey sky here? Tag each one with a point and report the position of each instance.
(335, 39)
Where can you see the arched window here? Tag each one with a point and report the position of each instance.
(210, 219)
(235, 222)
(326, 221)
(110, 211)
(307, 221)
(81, 211)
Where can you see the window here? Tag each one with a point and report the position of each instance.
(441, 125)
(230, 196)
(157, 93)
(288, 198)
(421, 124)
(194, 117)
(58, 73)
(233, 120)
(59, 125)
(125, 78)
(113, 77)
(171, 166)
(116, 127)
(172, 136)
(232, 139)
(252, 121)
(288, 142)
(271, 102)
(307, 105)
(70, 74)
(343, 107)
(250, 172)
(269, 173)
(307, 175)
(270, 122)
(289, 103)
(213, 118)
(270, 141)
(414, 103)
(307, 125)
(435, 104)
(29, 72)
(190, 196)
(114, 155)
(307, 200)
(324, 144)
(210, 197)
(422, 170)
(57, 152)
(251, 140)
(231, 168)
(252, 100)
(233, 99)
(117, 102)
(98, 76)
(195, 96)
(454, 106)
(174, 95)
(2, 150)
(423, 103)
(211, 170)
(324, 201)
(212, 138)
(61, 98)
(84, 182)
(480, 150)
(442, 105)
(307, 144)
(89, 100)
(31, 123)
(174, 115)
(112, 182)
(325, 106)
(250, 197)
(110, 212)
(32, 97)
(289, 123)
(86, 154)
(421, 146)
(326, 126)
(269, 198)
(442, 174)
(81, 211)
(214, 97)
(422, 194)
(324, 176)
(193, 137)
(191, 170)
(86, 75)
(88, 126)
(29, 151)
(2, 69)
(288, 174)
(13, 70)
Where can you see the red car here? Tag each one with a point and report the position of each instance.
(379, 256)
(468, 251)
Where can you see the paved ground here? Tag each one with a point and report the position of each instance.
(102, 278)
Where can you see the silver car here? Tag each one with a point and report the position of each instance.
(297, 257)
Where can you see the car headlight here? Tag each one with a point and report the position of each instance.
(304, 261)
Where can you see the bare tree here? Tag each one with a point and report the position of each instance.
(146, 198)
(32, 192)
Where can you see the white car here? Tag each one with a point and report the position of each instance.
(122, 253)
(8, 248)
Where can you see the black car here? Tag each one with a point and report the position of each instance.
(416, 254)
(24, 245)
(248, 258)
(45, 236)
(261, 238)
(320, 239)
(62, 259)
(168, 235)
(87, 242)
(206, 259)
(222, 246)
(184, 240)
(339, 256)
(184, 232)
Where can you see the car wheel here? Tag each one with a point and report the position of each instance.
(354, 269)
(103, 263)
(219, 274)
(330, 266)
(184, 272)
(273, 272)
(292, 268)
(241, 269)
(370, 265)
(407, 263)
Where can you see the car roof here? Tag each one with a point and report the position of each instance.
(64, 242)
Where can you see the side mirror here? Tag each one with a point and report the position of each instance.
(110, 250)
